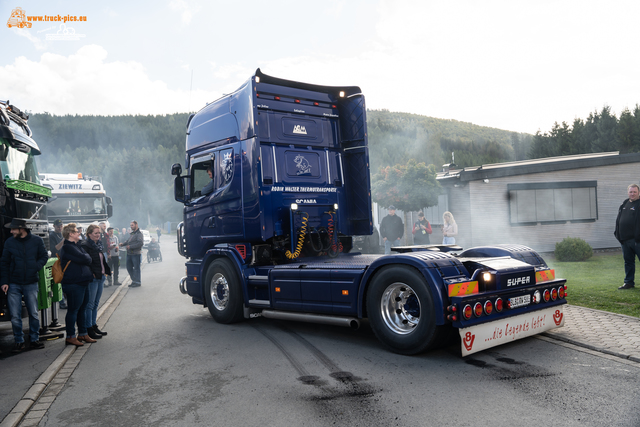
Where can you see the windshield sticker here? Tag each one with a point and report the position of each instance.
(302, 164)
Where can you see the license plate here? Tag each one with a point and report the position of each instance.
(520, 301)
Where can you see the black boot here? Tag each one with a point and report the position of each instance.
(98, 331)
(93, 334)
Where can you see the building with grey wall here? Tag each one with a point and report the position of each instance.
(540, 202)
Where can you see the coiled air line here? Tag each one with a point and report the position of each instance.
(301, 234)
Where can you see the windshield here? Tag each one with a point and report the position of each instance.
(76, 205)
(18, 164)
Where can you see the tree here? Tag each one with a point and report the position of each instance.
(408, 187)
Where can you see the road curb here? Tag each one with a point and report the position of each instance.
(23, 406)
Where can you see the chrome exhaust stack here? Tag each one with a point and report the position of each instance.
(348, 322)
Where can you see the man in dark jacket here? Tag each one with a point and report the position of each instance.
(134, 254)
(391, 230)
(23, 257)
(628, 234)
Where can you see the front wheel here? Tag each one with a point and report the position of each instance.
(401, 311)
(223, 292)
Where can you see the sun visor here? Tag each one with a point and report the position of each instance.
(16, 136)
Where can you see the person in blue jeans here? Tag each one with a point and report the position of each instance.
(391, 230)
(628, 234)
(75, 263)
(134, 254)
(23, 257)
(99, 268)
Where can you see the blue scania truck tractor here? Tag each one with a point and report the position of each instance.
(276, 180)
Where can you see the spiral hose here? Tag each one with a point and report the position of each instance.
(335, 248)
(301, 234)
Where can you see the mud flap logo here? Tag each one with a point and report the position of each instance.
(557, 317)
(468, 340)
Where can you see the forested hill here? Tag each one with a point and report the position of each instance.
(395, 138)
(134, 154)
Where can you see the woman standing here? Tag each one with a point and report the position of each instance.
(421, 230)
(99, 268)
(449, 229)
(77, 275)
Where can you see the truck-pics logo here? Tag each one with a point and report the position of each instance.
(302, 164)
(18, 19)
(300, 130)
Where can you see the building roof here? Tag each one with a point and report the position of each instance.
(525, 167)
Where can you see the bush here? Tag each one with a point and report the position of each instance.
(573, 249)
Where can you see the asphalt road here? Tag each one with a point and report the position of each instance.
(166, 362)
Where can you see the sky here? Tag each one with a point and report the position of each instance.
(514, 65)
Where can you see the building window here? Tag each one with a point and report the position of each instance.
(553, 202)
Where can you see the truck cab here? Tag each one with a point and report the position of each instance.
(276, 180)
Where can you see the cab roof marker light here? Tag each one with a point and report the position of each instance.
(341, 94)
(257, 79)
(486, 276)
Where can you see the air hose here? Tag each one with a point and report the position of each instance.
(301, 234)
(335, 247)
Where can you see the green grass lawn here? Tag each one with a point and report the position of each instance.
(594, 283)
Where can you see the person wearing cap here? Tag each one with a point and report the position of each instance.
(391, 230)
(55, 238)
(23, 257)
(421, 230)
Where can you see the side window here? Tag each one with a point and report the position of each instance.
(225, 167)
(201, 182)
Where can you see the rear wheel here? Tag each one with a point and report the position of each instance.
(401, 311)
(223, 292)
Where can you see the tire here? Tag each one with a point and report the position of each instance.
(223, 293)
(401, 311)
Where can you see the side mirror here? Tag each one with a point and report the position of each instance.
(178, 189)
(176, 169)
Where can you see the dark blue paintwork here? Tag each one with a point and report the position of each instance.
(284, 142)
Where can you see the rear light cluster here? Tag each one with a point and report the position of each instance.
(551, 294)
(479, 308)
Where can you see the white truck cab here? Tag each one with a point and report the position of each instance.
(77, 198)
